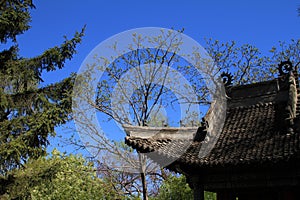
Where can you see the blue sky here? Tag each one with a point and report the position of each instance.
(261, 23)
(257, 22)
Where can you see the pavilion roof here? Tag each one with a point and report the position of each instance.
(261, 126)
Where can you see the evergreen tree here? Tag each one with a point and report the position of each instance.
(28, 113)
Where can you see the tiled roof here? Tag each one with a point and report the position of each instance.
(261, 126)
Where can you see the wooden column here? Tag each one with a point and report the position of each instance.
(198, 190)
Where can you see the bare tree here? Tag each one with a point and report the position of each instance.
(135, 89)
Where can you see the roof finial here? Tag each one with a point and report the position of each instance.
(227, 78)
(285, 67)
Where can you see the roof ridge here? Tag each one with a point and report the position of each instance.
(266, 82)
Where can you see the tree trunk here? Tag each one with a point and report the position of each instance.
(145, 192)
(143, 176)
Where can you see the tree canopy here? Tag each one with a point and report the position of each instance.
(58, 177)
(28, 112)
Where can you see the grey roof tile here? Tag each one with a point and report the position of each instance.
(257, 129)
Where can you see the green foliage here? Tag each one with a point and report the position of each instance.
(58, 177)
(28, 113)
(175, 188)
(14, 19)
(210, 196)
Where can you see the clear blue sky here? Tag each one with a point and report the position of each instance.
(258, 22)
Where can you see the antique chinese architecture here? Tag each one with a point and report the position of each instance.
(257, 154)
